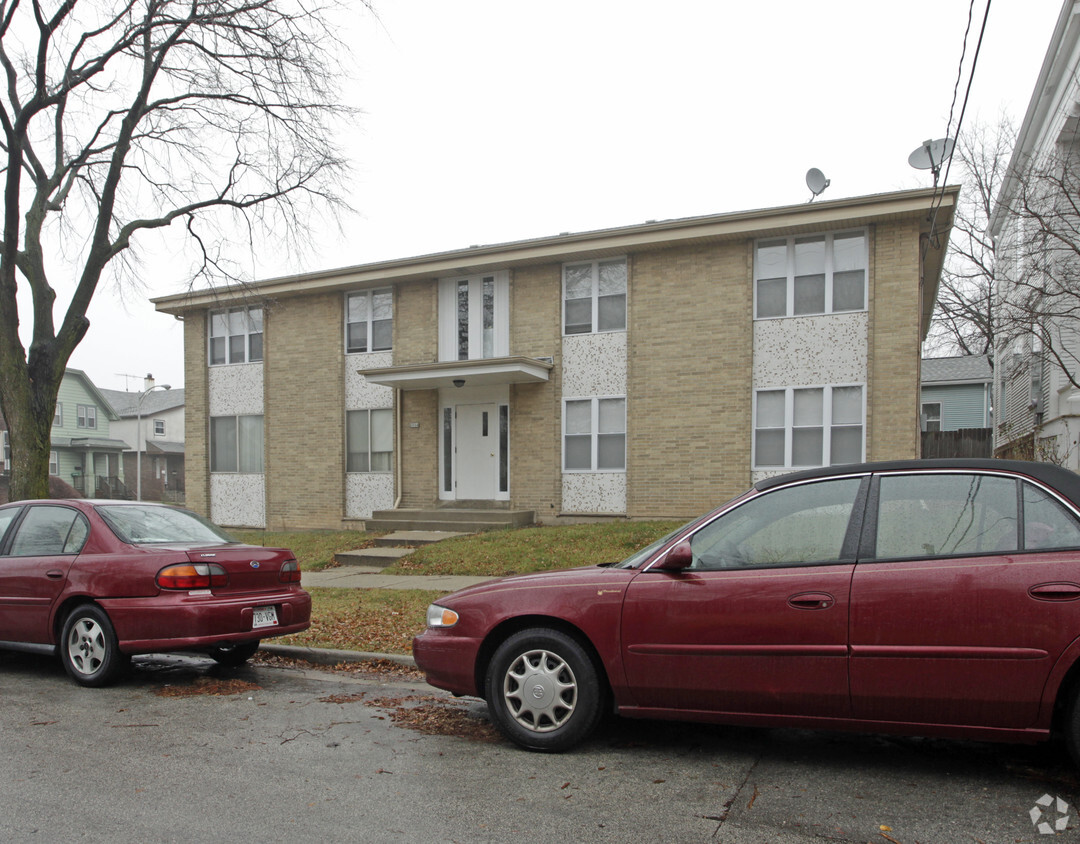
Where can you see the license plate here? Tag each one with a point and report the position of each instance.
(264, 617)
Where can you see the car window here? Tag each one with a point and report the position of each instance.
(140, 524)
(792, 525)
(6, 518)
(926, 515)
(48, 531)
(1047, 523)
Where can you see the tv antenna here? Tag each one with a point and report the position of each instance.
(816, 181)
(931, 155)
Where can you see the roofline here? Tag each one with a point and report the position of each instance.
(110, 411)
(567, 246)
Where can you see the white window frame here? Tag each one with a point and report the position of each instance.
(54, 463)
(595, 295)
(390, 462)
(159, 427)
(498, 343)
(248, 333)
(594, 435)
(86, 416)
(368, 296)
(5, 451)
(58, 416)
(827, 425)
(926, 416)
(790, 242)
(239, 451)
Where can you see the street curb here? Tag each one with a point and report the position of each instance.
(328, 656)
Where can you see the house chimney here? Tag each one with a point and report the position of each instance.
(148, 381)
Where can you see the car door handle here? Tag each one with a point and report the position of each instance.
(54, 574)
(1055, 592)
(811, 601)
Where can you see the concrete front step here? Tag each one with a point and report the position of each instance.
(448, 519)
(416, 538)
(373, 557)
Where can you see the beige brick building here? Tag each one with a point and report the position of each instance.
(645, 371)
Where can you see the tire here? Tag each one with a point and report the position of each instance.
(234, 655)
(89, 649)
(543, 690)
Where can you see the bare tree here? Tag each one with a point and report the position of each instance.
(122, 117)
(963, 321)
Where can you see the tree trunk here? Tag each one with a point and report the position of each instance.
(29, 410)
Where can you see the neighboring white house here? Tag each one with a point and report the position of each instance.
(160, 413)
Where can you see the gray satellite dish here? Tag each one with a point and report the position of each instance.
(931, 155)
(816, 181)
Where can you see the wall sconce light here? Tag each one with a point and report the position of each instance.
(459, 382)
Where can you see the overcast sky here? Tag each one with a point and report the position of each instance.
(491, 120)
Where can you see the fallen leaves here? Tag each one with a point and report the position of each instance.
(208, 686)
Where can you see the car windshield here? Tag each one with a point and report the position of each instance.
(139, 524)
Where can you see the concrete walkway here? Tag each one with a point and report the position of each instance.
(371, 577)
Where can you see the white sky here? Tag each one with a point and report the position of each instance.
(493, 120)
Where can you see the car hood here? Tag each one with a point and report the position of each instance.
(558, 577)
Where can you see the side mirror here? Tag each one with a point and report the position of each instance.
(678, 558)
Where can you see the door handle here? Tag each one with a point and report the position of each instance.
(1055, 591)
(54, 574)
(811, 601)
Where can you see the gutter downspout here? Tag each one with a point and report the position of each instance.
(397, 447)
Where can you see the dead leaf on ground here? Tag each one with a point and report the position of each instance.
(208, 686)
(433, 715)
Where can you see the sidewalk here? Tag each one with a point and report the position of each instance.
(365, 577)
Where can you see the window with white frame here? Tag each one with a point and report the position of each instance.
(236, 444)
(58, 415)
(159, 427)
(369, 440)
(803, 276)
(474, 317)
(594, 297)
(85, 416)
(54, 463)
(369, 321)
(5, 451)
(931, 416)
(236, 336)
(594, 434)
(808, 426)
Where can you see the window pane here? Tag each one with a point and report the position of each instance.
(771, 261)
(808, 406)
(463, 320)
(955, 514)
(357, 307)
(770, 409)
(382, 430)
(771, 297)
(611, 313)
(806, 444)
(504, 448)
(579, 452)
(1047, 524)
(578, 316)
(217, 350)
(810, 256)
(223, 444)
(255, 320)
(769, 447)
(44, 531)
(611, 451)
(612, 278)
(578, 282)
(357, 337)
(255, 346)
(382, 305)
(849, 290)
(849, 252)
(847, 406)
(219, 324)
(236, 348)
(250, 429)
(448, 449)
(237, 322)
(810, 294)
(356, 440)
(846, 445)
(612, 416)
(578, 417)
(382, 335)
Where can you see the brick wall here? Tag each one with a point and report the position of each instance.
(304, 425)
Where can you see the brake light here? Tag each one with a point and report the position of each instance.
(192, 576)
(290, 572)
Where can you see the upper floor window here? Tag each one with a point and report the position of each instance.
(85, 416)
(931, 416)
(474, 317)
(369, 321)
(801, 276)
(594, 297)
(236, 336)
(236, 444)
(5, 452)
(58, 415)
(808, 426)
(159, 427)
(54, 463)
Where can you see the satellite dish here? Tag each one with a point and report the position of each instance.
(816, 181)
(931, 155)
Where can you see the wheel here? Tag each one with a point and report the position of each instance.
(233, 655)
(89, 649)
(543, 690)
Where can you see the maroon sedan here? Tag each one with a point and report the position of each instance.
(98, 581)
(921, 597)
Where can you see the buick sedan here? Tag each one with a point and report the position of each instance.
(937, 598)
(95, 582)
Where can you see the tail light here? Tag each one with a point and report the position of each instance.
(192, 576)
(290, 572)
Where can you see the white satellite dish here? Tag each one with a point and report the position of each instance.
(931, 155)
(816, 181)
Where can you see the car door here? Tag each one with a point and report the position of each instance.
(957, 616)
(34, 564)
(759, 622)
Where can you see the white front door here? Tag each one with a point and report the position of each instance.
(477, 451)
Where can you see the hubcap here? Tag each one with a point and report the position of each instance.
(540, 691)
(86, 646)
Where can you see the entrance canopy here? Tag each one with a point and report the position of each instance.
(460, 373)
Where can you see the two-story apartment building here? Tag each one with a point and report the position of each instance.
(645, 371)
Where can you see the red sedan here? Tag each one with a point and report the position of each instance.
(922, 597)
(98, 581)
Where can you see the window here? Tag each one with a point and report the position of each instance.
(5, 451)
(236, 444)
(369, 321)
(159, 427)
(48, 531)
(800, 524)
(236, 336)
(594, 435)
(798, 276)
(58, 416)
(594, 297)
(1047, 524)
(931, 416)
(85, 416)
(808, 426)
(474, 317)
(369, 440)
(54, 463)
